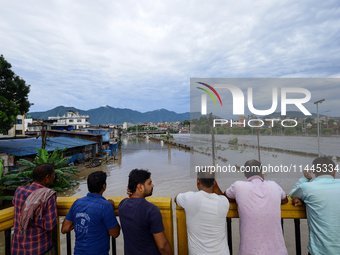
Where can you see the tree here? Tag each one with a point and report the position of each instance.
(331, 121)
(186, 123)
(309, 120)
(13, 96)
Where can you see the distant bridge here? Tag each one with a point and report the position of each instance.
(150, 132)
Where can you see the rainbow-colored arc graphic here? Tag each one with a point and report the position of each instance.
(210, 93)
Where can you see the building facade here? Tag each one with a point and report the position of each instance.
(69, 121)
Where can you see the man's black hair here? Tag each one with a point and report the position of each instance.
(323, 165)
(95, 181)
(41, 171)
(252, 167)
(137, 176)
(206, 178)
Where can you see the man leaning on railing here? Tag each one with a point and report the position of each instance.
(321, 197)
(259, 207)
(92, 218)
(205, 217)
(141, 221)
(35, 214)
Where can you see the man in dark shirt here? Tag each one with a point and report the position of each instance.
(33, 226)
(141, 221)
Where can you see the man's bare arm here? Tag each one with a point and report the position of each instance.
(163, 244)
(67, 226)
(114, 232)
(218, 191)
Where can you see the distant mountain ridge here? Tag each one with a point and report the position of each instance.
(107, 114)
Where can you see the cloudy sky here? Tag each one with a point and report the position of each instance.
(142, 54)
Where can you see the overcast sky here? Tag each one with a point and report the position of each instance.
(142, 54)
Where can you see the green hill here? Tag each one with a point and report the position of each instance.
(108, 114)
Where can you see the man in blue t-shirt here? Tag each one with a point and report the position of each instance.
(93, 219)
(141, 221)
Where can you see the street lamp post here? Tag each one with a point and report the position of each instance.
(317, 111)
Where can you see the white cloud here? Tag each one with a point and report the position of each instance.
(141, 55)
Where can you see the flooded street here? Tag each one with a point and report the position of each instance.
(170, 168)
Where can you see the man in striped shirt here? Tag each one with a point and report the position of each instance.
(35, 214)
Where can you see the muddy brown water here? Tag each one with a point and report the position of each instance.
(170, 168)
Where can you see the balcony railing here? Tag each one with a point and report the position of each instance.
(288, 211)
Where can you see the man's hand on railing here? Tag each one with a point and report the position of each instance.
(297, 202)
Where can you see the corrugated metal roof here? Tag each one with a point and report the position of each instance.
(25, 147)
(73, 133)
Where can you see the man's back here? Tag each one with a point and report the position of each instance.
(259, 206)
(321, 197)
(92, 216)
(206, 222)
(140, 220)
(37, 238)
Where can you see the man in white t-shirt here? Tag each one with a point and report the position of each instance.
(206, 214)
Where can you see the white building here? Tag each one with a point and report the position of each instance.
(71, 120)
(18, 129)
(126, 125)
(28, 120)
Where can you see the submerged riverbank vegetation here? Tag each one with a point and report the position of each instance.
(23, 176)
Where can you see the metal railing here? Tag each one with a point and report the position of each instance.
(288, 211)
(64, 204)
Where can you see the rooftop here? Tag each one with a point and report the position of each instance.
(25, 147)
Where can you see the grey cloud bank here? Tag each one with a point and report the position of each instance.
(141, 55)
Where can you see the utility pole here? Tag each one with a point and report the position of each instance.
(317, 110)
(43, 135)
(211, 120)
(168, 131)
(258, 143)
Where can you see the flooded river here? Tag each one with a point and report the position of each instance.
(170, 168)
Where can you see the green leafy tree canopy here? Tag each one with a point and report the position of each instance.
(13, 96)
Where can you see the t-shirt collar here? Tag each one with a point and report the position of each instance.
(254, 177)
(95, 195)
(325, 176)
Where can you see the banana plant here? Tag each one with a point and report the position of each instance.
(63, 173)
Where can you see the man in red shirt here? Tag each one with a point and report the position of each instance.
(35, 214)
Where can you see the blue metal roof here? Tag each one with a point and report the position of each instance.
(25, 147)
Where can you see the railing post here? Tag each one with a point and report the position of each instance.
(68, 243)
(8, 241)
(114, 249)
(230, 239)
(297, 236)
(55, 238)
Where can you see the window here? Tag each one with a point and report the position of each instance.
(78, 120)
(18, 122)
(18, 132)
(70, 120)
